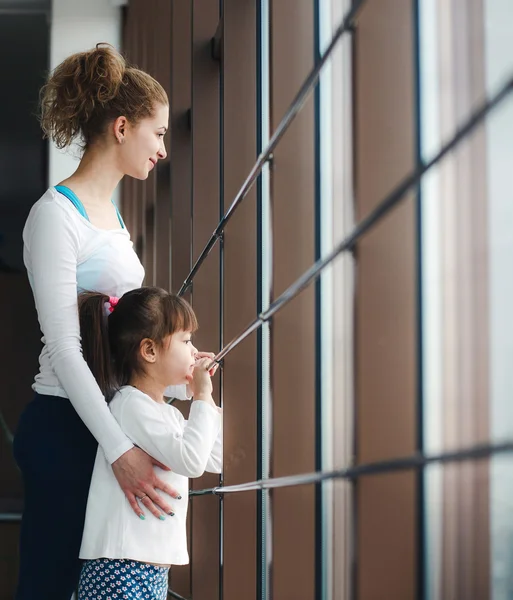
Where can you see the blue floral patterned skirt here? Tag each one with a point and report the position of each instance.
(120, 579)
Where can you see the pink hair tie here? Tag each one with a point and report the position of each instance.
(113, 300)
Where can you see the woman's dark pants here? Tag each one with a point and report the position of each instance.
(55, 452)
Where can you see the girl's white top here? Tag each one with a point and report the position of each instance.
(187, 447)
(65, 254)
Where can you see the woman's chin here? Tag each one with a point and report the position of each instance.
(141, 175)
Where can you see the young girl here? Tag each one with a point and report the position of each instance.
(141, 347)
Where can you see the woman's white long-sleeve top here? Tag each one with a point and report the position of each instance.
(65, 254)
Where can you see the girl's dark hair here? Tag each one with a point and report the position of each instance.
(90, 89)
(110, 344)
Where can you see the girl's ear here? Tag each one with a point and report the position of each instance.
(148, 350)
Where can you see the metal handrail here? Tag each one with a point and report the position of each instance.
(416, 461)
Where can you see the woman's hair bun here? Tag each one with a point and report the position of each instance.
(80, 89)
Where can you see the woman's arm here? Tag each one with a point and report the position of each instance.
(53, 244)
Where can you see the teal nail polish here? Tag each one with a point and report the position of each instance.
(162, 518)
(171, 514)
(142, 517)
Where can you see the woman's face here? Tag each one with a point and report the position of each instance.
(143, 144)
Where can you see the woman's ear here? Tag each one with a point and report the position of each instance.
(120, 129)
(148, 350)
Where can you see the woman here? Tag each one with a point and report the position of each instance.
(75, 240)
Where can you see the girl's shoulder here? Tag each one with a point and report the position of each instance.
(127, 393)
(130, 399)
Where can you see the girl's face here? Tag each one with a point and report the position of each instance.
(143, 144)
(176, 359)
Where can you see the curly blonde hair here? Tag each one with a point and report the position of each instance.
(90, 89)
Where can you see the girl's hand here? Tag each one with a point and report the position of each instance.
(208, 355)
(201, 385)
(199, 355)
(138, 480)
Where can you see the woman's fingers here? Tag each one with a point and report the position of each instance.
(152, 501)
(133, 503)
(166, 488)
(157, 463)
(158, 484)
(155, 502)
(136, 476)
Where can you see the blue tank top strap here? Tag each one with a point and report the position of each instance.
(121, 222)
(73, 198)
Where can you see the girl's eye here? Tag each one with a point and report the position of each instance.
(161, 135)
(188, 341)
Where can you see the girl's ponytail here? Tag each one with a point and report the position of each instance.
(95, 340)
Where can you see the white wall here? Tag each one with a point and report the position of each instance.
(78, 25)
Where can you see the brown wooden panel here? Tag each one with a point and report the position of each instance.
(385, 301)
(144, 22)
(162, 216)
(132, 189)
(239, 303)
(147, 44)
(162, 208)
(386, 537)
(205, 557)
(180, 144)
(180, 157)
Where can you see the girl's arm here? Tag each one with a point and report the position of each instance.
(215, 460)
(183, 446)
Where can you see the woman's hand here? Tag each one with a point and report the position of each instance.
(138, 480)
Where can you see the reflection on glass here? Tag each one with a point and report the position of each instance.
(461, 229)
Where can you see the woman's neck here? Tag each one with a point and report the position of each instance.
(96, 177)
